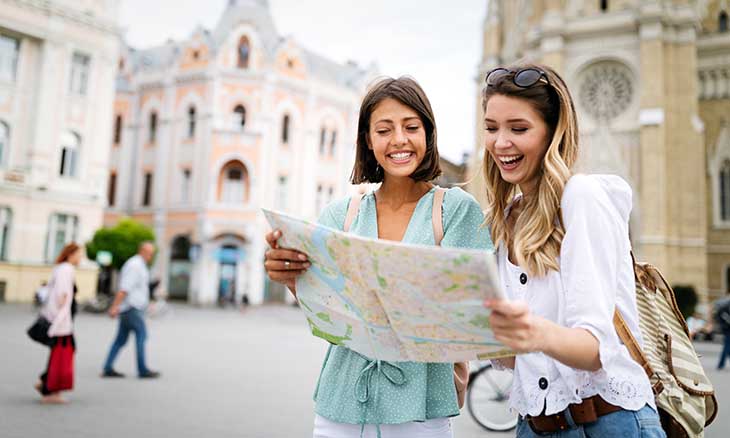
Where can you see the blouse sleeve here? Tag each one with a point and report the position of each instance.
(595, 232)
(463, 219)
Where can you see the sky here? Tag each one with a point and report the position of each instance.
(435, 41)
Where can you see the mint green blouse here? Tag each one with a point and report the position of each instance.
(355, 389)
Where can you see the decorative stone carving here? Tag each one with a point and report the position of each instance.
(606, 90)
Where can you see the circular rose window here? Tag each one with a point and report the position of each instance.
(606, 90)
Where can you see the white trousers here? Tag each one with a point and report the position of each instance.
(434, 428)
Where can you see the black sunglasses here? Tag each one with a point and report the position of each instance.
(523, 78)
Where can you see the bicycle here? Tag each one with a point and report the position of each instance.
(487, 398)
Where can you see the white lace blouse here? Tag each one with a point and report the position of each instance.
(596, 275)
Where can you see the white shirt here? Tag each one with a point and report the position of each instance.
(135, 281)
(596, 275)
(60, 288)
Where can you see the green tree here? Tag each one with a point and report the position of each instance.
(686, 297)
(121, 240)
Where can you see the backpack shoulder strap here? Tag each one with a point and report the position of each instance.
(352, 210)
(635, 350)
(437, 216)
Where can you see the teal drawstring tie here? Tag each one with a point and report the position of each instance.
(393, 373)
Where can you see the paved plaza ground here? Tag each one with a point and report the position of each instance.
(225, 374)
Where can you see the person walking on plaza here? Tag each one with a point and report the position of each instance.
(129, 305)
(722, 319)
(58, 309)
(359, 396)
(564, 262)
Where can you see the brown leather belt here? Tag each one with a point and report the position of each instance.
(582, 413)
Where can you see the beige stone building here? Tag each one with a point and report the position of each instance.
(651, 79)
(210, 129)
(57, 68)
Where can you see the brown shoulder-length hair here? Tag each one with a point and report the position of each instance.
(66, 252)
(406, 91)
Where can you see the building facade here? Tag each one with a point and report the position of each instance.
(209, 130)
(57, 70)
(651, 81)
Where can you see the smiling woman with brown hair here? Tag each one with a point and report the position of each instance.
(396, 146)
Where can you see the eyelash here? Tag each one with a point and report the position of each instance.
(515, 130)
(409, 128)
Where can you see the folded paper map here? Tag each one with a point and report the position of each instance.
(393, 301)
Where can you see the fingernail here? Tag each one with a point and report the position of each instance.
(277, 233)
(302, 257)
(306, 265)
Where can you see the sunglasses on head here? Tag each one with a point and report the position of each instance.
(523, 78)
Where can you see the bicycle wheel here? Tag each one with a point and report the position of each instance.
(487, 399)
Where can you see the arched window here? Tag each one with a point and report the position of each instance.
(191, 122)
(118, 129)
(727, 279)
(153, 127)
(604, 5)
(4, 142)
(239, 117)
(233, 185)
(285, 122)
(722, 22)
(725, 191)
(244, 52)
(70, 145)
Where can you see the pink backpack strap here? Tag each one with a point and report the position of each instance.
(352, 210)
(437, 218)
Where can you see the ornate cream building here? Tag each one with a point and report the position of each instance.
(57, 69)
(209, 130)
(651, 79)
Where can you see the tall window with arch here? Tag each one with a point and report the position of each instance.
(152, 134)
(62, 229)
(244, 52)
(6, 217)
(191, 122)
(724, 191)
(234, 183)
(8, 58)
(80, 64)
(722, 22)
(4, 143)
(285, 126)
(727, 280)
(239, 117)
(603, 4)
(118, 129)
(70, 146)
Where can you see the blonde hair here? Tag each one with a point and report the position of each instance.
(537, 243)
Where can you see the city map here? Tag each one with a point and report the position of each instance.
(393, 301)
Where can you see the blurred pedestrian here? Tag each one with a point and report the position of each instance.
(129, 305)
(58, 309)
(722, 318)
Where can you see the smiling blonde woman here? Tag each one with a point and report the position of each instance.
(565, 265)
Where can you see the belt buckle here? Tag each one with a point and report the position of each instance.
(533, 428)
(584, 412)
